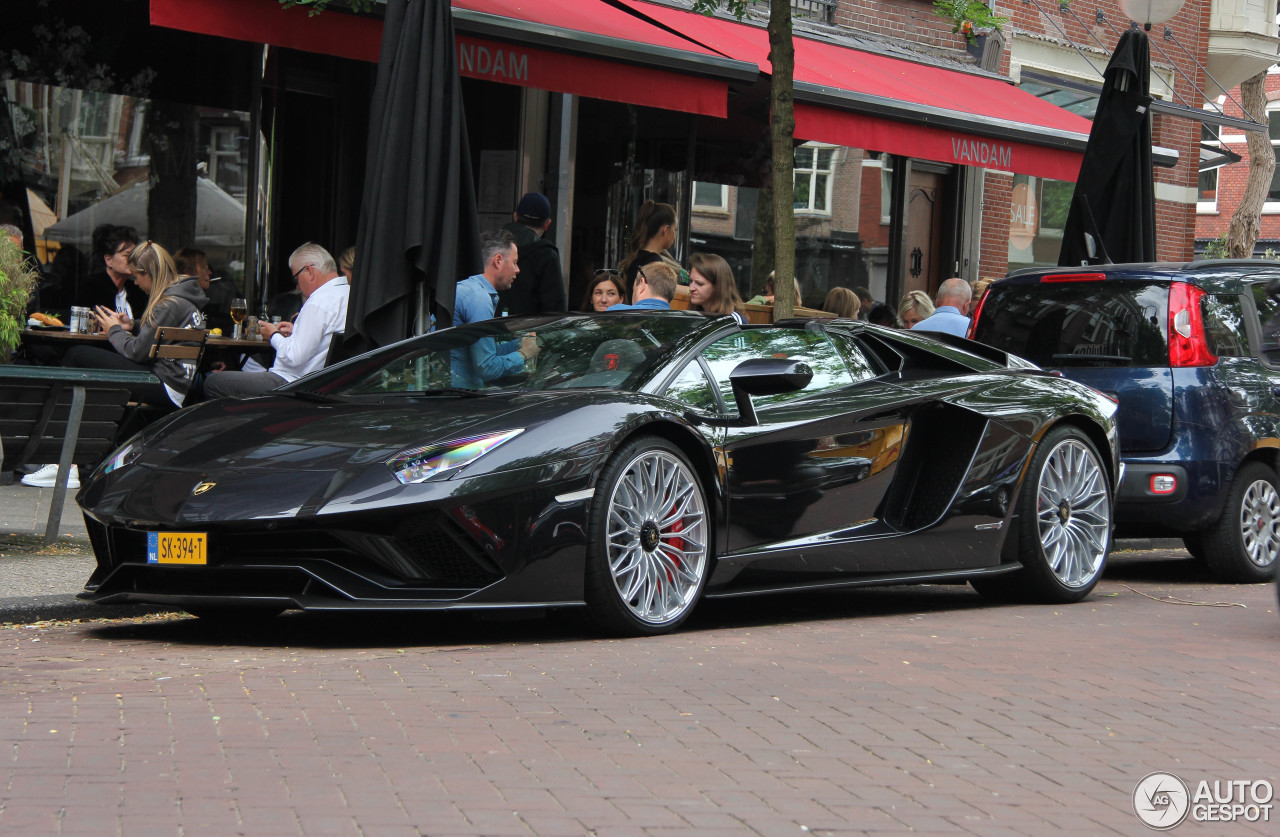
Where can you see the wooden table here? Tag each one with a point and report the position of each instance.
(216, 343)
(63, 337)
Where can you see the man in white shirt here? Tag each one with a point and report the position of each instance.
(301, 346)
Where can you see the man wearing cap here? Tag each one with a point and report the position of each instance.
(540, 285)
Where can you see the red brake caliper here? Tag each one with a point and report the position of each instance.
(678, 543)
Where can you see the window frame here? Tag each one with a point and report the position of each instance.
(813, 173)
(722, 208)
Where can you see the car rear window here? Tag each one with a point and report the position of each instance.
(1119, 323)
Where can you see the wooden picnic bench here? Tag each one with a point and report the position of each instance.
(67, 416)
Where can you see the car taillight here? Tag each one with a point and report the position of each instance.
(977, 312)
(1188, 345)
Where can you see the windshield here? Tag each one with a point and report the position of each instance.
(516, 354)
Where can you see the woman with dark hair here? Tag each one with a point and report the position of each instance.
(173, 302)
(606, 289)
(655, 231)
(712, 289)
(882, 314)
(110, 284)
(842, 302)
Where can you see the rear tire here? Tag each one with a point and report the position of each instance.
(1064, 524)
(1243, 545)
(649, 548)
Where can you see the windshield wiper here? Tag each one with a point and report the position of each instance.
(318, 397)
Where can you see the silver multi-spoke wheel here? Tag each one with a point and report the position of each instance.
(1260, 523)
(655, 537)
(1243, 544)
(1073, 512)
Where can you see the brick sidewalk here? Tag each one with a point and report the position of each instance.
(877, 711)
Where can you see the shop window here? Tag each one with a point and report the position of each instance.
(1272, 204)
(84, 157)
(227, 159)
(1038, 209)
(710, 197)
(813, 178)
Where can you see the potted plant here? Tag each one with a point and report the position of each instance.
(17, 281)
(971, 18)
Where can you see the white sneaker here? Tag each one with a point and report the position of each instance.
(45, 477)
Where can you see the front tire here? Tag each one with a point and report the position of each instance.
(1242, 546)
(1064, 523)
(648, 557)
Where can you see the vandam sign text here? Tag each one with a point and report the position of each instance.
(481, 61)
(981, 153)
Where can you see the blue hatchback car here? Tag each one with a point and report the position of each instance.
(1192, 354)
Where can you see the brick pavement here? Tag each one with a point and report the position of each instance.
(872, 712)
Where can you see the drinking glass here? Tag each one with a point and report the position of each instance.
(239, 307)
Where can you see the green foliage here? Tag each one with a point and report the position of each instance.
(17, 280)
(1217, 249)
(315, 7)
(737, 8)
(968, 17)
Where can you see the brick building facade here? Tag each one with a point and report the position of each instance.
(1221, 190)
(1043, 42)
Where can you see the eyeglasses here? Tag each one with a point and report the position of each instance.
(640, 273)
(299, 273)
(608, 271)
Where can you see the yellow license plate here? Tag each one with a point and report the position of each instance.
(177, 548)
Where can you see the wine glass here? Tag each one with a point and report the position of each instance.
(239, 307)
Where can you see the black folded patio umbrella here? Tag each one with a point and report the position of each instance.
(418, 222)
(1113, 210)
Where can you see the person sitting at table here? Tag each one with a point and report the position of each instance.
(112, 286)
(217, 312)
(843, 303)
(766, 298)
(712, 288)
(303, 345)
(173, 301)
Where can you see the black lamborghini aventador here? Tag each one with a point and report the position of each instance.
(636, 463)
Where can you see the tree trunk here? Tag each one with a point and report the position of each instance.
(782, 123)
(172, 133)
(1245, 223)
(762, 240)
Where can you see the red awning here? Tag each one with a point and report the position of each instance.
(859, 99)
(584, 47)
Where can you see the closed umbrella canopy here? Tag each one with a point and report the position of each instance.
(1114, 207)
(418, 225)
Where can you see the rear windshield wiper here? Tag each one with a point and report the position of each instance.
(1083, 356)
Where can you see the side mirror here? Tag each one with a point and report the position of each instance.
(766, 376)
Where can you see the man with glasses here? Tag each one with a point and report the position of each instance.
(654, 288)
(301, 346)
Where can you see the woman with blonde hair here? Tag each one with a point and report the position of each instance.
(915, 306)
(712, 288)
(655, 232)
(843, 303)
(173, 302)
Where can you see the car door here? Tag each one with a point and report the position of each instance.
(810, 474)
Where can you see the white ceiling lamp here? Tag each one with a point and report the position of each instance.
(1148, 12)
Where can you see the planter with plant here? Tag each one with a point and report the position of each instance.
(970, 18)
(18, 280)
